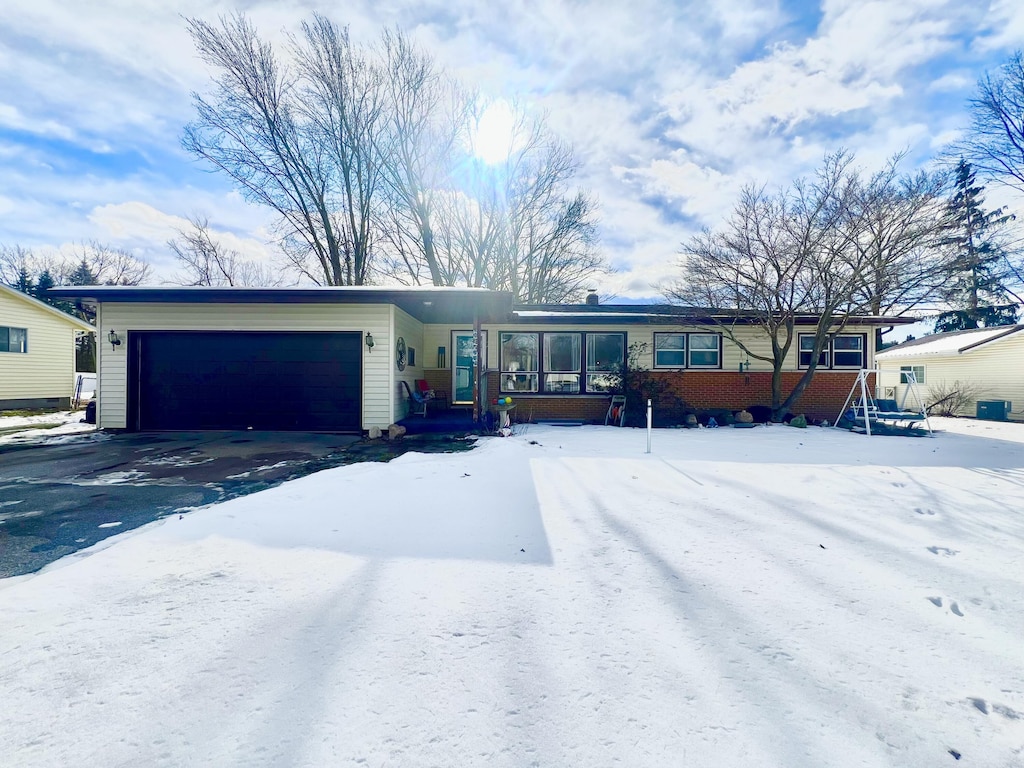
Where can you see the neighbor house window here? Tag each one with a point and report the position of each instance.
(520, 362)
(705, 350)
(13, 339)
(846, 351)
(916, 370)
(561, 363)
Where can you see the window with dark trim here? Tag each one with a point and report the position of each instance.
(13, 339)
(687, 350)
(843, 351)
(560, 362)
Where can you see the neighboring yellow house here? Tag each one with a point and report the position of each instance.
(987, 361)
(37, 352)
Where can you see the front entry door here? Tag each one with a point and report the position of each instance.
(464, 355)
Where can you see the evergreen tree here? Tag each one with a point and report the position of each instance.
(82, 275)
(975, 288)
(24, 281)
(43, 284)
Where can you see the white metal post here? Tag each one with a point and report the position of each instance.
(864, 401)
(648, 426)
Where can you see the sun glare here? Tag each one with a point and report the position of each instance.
(494, 134)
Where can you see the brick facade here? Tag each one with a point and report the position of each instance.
(701, 390)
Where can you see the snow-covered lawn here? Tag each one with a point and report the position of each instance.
(20, 428)
(766, 597)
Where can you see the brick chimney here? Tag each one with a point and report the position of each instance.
(592, 297)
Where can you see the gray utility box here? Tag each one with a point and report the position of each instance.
(994, 410)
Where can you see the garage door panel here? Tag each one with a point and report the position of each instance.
(242, 380)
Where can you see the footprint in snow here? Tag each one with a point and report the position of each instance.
(953, 607)
(923, 511)
(943, 551)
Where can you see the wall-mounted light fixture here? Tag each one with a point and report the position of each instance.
(115, 340)
(744, 366)
(369, 342)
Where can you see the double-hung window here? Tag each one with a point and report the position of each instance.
(13, 339)
(845, 351)
(687, 350)
(917, 371)
(561, 362)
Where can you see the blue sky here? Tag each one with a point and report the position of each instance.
(672, 107)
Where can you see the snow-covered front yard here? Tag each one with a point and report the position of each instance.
(766, 597)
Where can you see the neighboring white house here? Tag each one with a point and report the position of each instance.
(989, 362)
(37, 352)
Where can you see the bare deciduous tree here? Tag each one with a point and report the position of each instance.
(206, 261)
(803, 252)
(252, 131)
(994, 145)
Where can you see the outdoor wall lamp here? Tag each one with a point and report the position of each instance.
(369, 342)
(744, 366)
(115, 340)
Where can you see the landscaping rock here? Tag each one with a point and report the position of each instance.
(374, 433)
(395, 431)
(744, 417)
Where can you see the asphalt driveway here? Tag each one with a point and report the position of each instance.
(57, 497)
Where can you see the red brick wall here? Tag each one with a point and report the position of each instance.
(705, 390)
(701, 390)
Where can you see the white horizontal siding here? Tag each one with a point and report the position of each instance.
(410, 329)
(375, 318)
(996, 370)
(47, 370)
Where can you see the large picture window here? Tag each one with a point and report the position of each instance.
(520, 362)
(13, 339)
(687, 350)
(561, 363)
(846, 351)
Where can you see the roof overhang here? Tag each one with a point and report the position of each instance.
(667, 314)
(428, 304)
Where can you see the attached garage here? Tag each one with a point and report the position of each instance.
(196, 380)
(304, 359)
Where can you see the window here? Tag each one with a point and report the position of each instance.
(554, 363)
(848, 352)
(604, 361)
(705, 350)
(13, 339)
(807, 349)
(916, 370)
(519, 362)
(562, 363)
(845, 351)
(670, 350)
(687, 350)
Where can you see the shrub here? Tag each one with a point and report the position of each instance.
(952, 399)
(639, 386)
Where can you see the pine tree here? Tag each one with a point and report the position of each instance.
(975, 286)
(24, 282)
(43, 284)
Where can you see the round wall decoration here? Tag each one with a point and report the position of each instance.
(400, 353)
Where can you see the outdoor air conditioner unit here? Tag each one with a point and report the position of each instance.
(994, 410)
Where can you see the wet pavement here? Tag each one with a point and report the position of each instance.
(61, 495)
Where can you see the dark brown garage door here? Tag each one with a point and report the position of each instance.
(244, 380)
